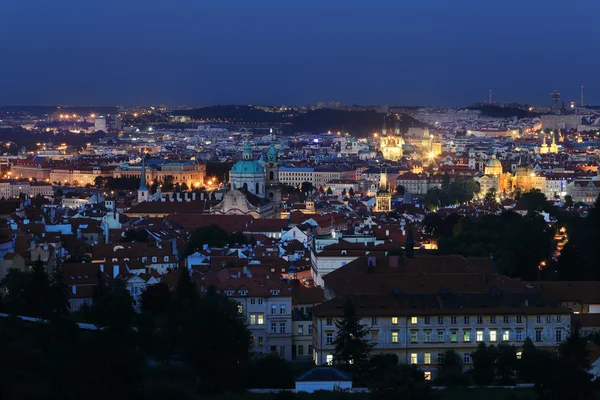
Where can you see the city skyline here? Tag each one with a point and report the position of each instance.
(269, 53)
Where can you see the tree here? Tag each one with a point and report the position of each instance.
(351, 344)
(400, 190)
(344, 192)
(99, 182)
(483, 364)
(168, 183)
(506, 364)
(211, 235)
(351, 192)
(155, 298)
(137, 235)
(329, 191)
(450, 372)
(390, 380)
(490, 196)
(568, 200)
(535, 200)
(306, 187)
(59, 290)
(527, 365)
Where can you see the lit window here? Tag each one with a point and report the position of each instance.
(256, 319)
(413, 320)
(427, 375)
(453, 336)
(519, 355)
(427, 358)
(506, 335)
(301, 329)
(260, 341)
(492, 335)
(413, 358)
(466, 336)
(394, 320)
(395, 336)
(240, 309)
(329, 359)
(479, 334)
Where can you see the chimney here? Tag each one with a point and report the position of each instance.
(115, 271)
(105, 233)
(239, 274)
(387, 232)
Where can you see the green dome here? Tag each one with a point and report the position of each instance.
(249, 167)
(272, 153)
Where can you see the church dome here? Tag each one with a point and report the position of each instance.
(249, 167)
(493, 163)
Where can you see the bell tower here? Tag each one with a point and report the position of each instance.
(143, 192)
(273, 188)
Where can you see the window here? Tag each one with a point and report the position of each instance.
(519, 335)
(506, 335)
(453, 320)
(414, 337)
(256, 319)
(427, 375)
(427, 358)
(301, 329)
(374, 321)
(467, 336)
(440, 336)
(538, 319)
(240, 309)
(282, 309)
(479, 319)
(549, 318)
(467, 319)
(559, 335)
(413, 320)
(413, 358)
(467, 358)
(166, 258)
(260, 341)
(273, 309)
(252, 301)
(558, 318)
(329, 338)
(282, 327)
(329, 321)
(479, 335)
(538, 335)
(282, 351)
(310, 349)
(427, 320)
(493, 319)
(253, 341)
(505, 319)
(493, 335)
(440, 358)
(154, 259)
(300, 350)
(310, 329)
(519, 319)
(453, 336)
(394, 320)
(374, 336)
(519, 355)
(427, 336)
(273, 327)
(440, 320)
(395, 335)
(260, 302)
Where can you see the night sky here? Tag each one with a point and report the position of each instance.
(199, 52)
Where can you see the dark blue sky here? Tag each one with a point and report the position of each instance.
(438, 52)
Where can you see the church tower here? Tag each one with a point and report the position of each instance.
(273, 188)
(553, 146)
(384, 197)
(143, 192)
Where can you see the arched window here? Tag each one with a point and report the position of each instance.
(257, 188)
(271, 175)
(245, 186)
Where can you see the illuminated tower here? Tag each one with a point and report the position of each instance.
(143, 191)
(384, 197)
(555, 97)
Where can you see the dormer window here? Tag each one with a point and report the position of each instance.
(243, 292)
(229, 292)
(274, 292)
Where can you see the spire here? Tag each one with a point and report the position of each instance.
(247, 152)
(143, 185)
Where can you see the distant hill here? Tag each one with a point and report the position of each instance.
(359, 123)
(503, 112)
(43, 110)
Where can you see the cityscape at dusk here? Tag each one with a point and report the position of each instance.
(315, 200)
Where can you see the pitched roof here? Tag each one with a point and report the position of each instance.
(324, 374)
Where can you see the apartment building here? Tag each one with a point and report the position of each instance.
(303, 300)
(11, 188)
(419, 308)
(584, 191)
(318, 176)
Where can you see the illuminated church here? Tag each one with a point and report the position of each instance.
(391, 145)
